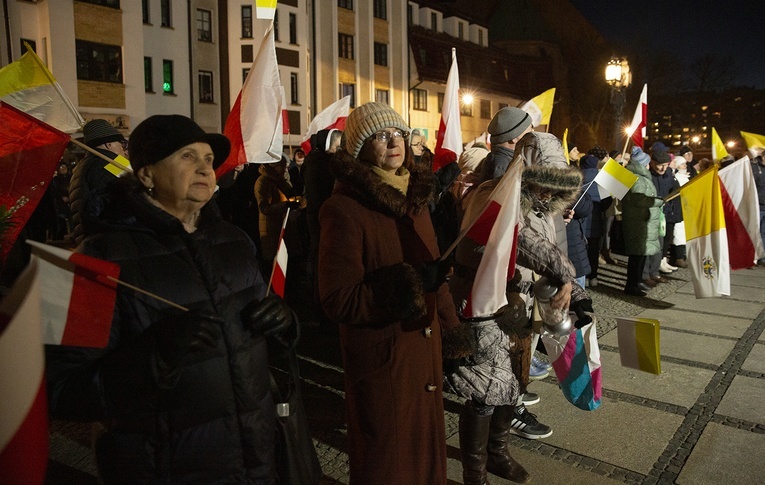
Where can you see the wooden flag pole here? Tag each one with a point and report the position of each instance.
(101, 155)
(147, 293)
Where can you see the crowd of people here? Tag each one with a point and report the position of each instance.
(185, 395)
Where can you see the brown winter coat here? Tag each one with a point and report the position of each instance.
(390, 331)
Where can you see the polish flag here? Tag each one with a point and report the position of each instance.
(279, 272)
(254, 124)
(24, 407)
(496, 228)
(78, 295)
(742, 214)
(449, 141)
(640, 120)
(332, 117)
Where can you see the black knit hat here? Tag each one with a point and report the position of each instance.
(159, 136)
(97, 132)
(684, 149)
(598, 152)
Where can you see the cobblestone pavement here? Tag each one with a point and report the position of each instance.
(701, 421)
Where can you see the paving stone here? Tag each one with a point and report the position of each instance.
(743, 400)
(718, 306)
(685, 320)
(737, 292)
(753, 278)
(755, 361)
(725, 455)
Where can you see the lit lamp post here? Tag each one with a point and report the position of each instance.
(618, 77)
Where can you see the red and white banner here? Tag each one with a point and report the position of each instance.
(449, 141)
(640, 120)
(24, 406)
(77, 296)
(333, 116)
(742, 214)
(279, 273)
(496, 228)
(254, 124)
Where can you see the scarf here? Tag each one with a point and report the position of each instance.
(398, 180)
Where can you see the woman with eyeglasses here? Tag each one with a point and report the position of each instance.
(380, 281)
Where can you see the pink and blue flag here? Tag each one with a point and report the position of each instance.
(576, 360)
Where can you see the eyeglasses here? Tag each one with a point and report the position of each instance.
(385, 137)
(416, 145)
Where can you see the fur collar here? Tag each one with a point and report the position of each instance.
(566, 183)
(357, 180)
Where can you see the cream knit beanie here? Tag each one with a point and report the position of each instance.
(365, 121)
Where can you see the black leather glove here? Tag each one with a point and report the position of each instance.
(181, 335)
(267, 317)
(580, 307)
(433, 274)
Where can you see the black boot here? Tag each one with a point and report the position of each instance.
(500, 462)
(474, 434)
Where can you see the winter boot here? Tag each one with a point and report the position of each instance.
(500, 462)
(474, 434)
(606, 253)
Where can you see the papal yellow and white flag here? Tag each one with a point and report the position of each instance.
(753, 140)
(705, 234)
(540, 107)
(718, 147)
(29, 86)
(613, 179)
(265, 9)
(639, 344)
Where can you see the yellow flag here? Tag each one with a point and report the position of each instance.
(265, 9)
(565, 146)
(540, 107)
(124, 166)
(718, 147)
(753, 140)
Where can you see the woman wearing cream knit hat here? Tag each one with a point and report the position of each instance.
(380, 281)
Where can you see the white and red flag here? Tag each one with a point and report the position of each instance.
(78, 295)
(496, 228)
(332, 117)
(639, 121)
(449, 141)
(279, 272)
(24, 406)
(29, 153)
(254, 124)
(742, 214)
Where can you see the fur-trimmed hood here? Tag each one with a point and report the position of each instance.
(359, 180)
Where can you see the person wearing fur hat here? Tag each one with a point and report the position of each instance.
(380, 281)
(493, 379)
(182, 396)
(641, 219)
(90, 177)
(506, 127)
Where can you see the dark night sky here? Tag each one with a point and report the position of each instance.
(688, 29)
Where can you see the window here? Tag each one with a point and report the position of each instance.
(148, 81)
(164, 8)
(466, 109)
(480, 37)
(247, 21)
(345, 4)
(294, 88)
(245, 73)
(247, 53)
(434, 21)
(440, 102)
(348, 90)
(104, 3)
(293, 28)
(145, 11)
(99, 62)
(419, 99)
(381, 9)
(485, 108)
(381, 96)
(167, 77)
(31, 43)
(276, 25)
(460, 30)
(206, 87)
(381, 54)
(204, 25)
(345, 46)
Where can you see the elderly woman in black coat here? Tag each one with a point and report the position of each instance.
(183, 396)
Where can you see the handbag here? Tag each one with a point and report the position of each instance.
(296, 460)
(617, 245)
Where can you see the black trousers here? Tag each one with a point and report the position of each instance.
(635, 265)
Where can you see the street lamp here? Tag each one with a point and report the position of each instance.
(618, 76)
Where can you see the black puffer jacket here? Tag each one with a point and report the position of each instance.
(576, 237)
(212, 421)
(86, 191)
(665, 184)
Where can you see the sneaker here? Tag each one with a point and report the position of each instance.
(537, 362)
(530, 398)
(538, 373)
(593, 282)
(525, 424)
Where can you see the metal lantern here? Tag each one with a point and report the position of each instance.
(554, 320)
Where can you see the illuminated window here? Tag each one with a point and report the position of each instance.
(167, 77)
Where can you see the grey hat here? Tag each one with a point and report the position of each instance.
(507, 124)
(97, 132)
(661, 157)
(365, 121)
